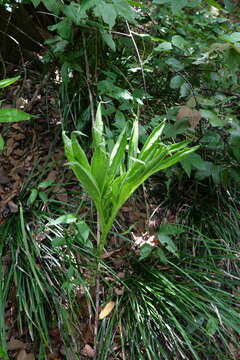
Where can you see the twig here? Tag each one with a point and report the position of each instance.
(138, 55)
(88, 77)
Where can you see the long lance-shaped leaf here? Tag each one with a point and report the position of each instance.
(133, 144)
(79, 153)
(149, 153)
(178, 146)
(98, 137)
(171, 160)
(153, 137)
(130, 185)
(142, 172)
(68, 147)
(153, 155)
(99, 167)
(117, 154)
(7, 82)
(9, 115)
(100, 160)
(87, 181)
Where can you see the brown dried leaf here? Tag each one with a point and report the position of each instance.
(194, 118)
(60, 194)
(3, 177)
(13, 207)
(106, 310)
(119, 291)
(52, 176)
(23, 355)
(88, 351)
(15, 344)
(10, 145)
(184, 111)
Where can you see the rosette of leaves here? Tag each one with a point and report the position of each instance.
(111, 178)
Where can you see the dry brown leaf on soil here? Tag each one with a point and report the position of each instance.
(4, 179)
(13, 207)
(15, 344)
(88, 351)
(106, 310)
(119, 291)
(23, 355)
(60, 194)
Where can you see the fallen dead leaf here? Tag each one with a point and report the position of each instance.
(13, 207)
(194, 118)
(15, 344)
(106, 310)
(121, 274)
(60, 193)
(119, 291)
(88, 351)
(23, 355)
(3, 177)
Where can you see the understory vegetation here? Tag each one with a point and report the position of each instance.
(119, 180)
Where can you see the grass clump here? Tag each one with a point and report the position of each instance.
(186, 309)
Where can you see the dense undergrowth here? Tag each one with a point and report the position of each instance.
(156, 277)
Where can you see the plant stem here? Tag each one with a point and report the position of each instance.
(97, 290)
(97, 287)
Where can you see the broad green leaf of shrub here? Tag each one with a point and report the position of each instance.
(205, 173)
(107, 12)
(166, 241)
(165, 46)
(175, 64)
(77, 12)
(179, 42)
(63, 28)
(232, 38)
(212, 140)
(145, 251)
(54, 6)
(9, 115)
(108, 39)
(193, 161)
(124, 10)
(212, 117)
(176, 82)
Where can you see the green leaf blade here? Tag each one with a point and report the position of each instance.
(10, 115)
(9, 81)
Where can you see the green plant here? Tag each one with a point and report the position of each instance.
(9, 115)
(111, 178)
(186, 307)
(40, 277)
